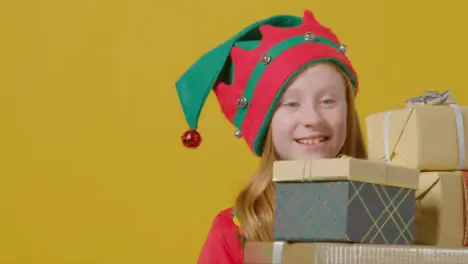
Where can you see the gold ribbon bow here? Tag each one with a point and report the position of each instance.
(432, 98)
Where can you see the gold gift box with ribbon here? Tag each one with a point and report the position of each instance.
(429, 134)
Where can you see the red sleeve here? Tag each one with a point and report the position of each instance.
(222, 245)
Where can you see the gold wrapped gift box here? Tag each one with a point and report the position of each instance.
(423, 137)
(336, 253)
(440, 209)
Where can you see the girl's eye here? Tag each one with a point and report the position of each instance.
(292, 105)
(328, 101)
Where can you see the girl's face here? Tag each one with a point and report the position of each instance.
(310, 121)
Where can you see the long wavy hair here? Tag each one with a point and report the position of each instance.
(255, 203)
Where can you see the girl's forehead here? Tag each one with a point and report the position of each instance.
(319, 75)
(312, 84)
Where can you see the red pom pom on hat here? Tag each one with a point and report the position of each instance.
(191, 138)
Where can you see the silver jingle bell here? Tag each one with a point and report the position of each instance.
(343, 48)
(309, 36)
(242, 102)
(266, 59)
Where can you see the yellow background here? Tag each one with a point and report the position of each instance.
(91, 166)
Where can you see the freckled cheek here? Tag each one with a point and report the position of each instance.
(283, 126)
(338, 123)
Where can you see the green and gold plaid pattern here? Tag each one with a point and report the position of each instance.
(344, 211)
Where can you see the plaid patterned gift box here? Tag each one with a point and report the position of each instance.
(344, 200)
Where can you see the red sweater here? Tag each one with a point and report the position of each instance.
(222, 245)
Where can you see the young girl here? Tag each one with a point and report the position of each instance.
(287, 86)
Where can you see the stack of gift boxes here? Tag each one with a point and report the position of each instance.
(405, 204)
(430, 135)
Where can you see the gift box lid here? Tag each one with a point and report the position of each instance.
(351, 169)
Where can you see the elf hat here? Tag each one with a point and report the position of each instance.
(249, 72)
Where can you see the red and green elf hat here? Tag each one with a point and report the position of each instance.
(249, 72)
